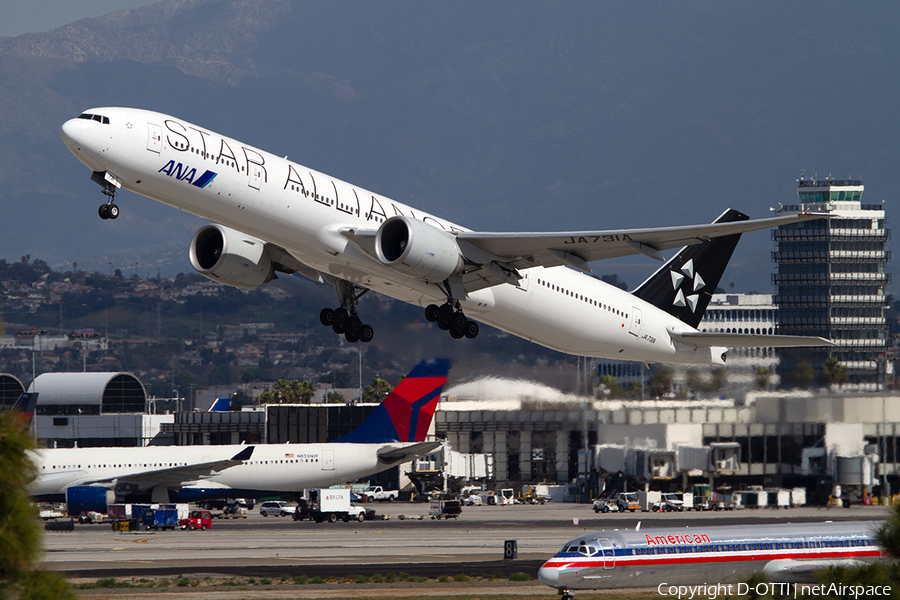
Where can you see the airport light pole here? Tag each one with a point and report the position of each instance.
(885, 359)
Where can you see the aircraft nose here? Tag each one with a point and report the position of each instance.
(71, 132)
(548, 575)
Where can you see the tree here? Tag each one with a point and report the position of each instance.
(804, 374)
(661, 381)
(334, 397)
(20, 534)
(763, 376)
(719, 378)
(294, 392)
(836, 371)
(376, 391)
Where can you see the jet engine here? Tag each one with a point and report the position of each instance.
(418, 249)
(84, 498)
(231, 257)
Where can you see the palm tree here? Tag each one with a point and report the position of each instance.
(20, 534)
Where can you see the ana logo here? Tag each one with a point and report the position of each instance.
(686, 279)
(187, 173)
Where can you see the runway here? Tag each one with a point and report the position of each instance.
(271, 547)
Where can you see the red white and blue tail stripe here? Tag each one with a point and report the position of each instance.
(405, 415)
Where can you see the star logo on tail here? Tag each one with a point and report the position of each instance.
(687, 280)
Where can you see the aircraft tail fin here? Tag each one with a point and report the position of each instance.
(684, 285)
(25, 405)
(220, 405)
(405, 414)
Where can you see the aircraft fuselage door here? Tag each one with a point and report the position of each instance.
(255, 176)
(154, 138)
(328, 460)
(636, 319)
(609, 553)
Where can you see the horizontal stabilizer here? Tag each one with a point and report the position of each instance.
(395, 454)
(747, 340)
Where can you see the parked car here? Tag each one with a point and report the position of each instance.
(277, 509)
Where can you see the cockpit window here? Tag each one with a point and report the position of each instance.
(579, 550)
(98, 118)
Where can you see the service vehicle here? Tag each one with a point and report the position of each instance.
(197, 519)
(329, 505)
(672, 502)
(605, 505)
(160, 518)
(445, 509)
(276, 508)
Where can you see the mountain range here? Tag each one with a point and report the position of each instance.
(501, 116)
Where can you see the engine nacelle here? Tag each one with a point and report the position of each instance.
(84, 498)
(231, 257)
(418, 249)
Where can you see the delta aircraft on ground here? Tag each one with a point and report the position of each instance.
(701, 554)
(394, 433)
(271, 215)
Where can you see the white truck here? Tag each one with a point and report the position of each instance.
(381, 494)
(329, 505)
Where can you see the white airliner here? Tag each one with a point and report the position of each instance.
(394, 433)
(273, 215)
(700, 555)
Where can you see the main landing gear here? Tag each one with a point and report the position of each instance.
(343, 319)
(453, 320)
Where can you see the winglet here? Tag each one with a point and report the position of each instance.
(244, 454)
(25, 405)
(405, 415)
(220, 405)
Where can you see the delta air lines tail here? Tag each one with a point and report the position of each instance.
(395, 432)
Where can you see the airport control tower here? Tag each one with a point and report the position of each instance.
(831, 279)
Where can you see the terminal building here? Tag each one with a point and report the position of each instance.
(93, 409)
(831, 279)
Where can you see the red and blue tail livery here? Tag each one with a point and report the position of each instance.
(405, 415)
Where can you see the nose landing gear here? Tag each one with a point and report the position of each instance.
(109, 210)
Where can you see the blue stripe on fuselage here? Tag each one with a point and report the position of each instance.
(204, 179)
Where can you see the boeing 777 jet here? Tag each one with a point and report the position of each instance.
(271, 215)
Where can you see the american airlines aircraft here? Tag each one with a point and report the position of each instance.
(271, 215)
(707, 555)
(394, 433)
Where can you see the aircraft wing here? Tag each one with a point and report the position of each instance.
(402, 454)
(576, 248)
(171, 477)
(494, 258)
(747, 340)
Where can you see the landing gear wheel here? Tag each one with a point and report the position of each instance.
(431, 313)
(354, 325)
(445, 313)
(351, 338)
(326, 317)
(113, 211)
(459, 321)
(456, 334)
(341, 316)
(442, 325)
(471, 330)
(104, 211)
(338, 329)
(366, 333)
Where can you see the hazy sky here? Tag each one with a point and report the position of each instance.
(43, 15)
